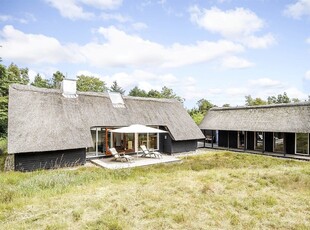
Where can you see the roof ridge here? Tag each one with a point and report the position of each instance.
(93, 94)
(306, 103)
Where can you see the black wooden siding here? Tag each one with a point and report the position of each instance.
(183, 146)
(229, 139)
(167, 145)
(233, 139)
(268, 141)
(49, 160)
(289, 139)
(223, 138)
(250, 140)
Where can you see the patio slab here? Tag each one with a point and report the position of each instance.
(139, 161)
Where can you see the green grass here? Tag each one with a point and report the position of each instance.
(216, 190)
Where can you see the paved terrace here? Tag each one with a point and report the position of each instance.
(108, 162)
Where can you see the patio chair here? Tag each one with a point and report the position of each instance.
(119, 156)
(149, 153)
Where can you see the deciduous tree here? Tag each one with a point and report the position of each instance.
(89, 83)
(136, 92)
(40, 82)
(249, 101)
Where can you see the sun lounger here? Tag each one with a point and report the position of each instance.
(149, 153)
(119, 156)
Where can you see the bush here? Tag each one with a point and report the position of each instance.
(3, 145)
(3, 152)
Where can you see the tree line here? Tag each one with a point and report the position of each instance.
(14, 74)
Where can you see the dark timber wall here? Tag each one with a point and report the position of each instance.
(49, 160)
(223, 138)
(289, 139)
(167, 145)
(230, 139)
(250, 140)
(268, 141)
(233, 139)
(183, 146)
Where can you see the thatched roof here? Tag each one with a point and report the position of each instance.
(44, 120)
(270, 118)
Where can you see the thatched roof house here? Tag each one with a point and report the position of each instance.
(270, 118)
(43, 120)
(244, 127)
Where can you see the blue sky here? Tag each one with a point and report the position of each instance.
(220, 50)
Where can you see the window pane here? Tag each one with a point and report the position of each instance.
(240, 139)
(259, 140)
(130, 139)
(142, 139)
(302, 143)
(93, 135)
(278, 142)
(153, 140)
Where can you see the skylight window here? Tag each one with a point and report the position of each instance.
(117, 100)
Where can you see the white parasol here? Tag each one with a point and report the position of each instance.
(136, 128)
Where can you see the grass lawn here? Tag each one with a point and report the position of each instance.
(216, 190)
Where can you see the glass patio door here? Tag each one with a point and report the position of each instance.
(302, 143)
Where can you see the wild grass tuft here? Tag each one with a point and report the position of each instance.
(106, 223)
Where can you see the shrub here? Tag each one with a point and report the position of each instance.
(3, 152)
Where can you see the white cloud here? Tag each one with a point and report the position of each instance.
(256, 42)
(73, 9)
(70, 9)
(32, 74)
(116, 16)
(238, 25)
(260, 88)
(24, 20)
(231, 23)
(233, 62)
(293, 92)
(4, 18)
(119, 49)
(143, 79)
(307, 75)
(308, 40)
(237, 91)
(266, 83)
(88, 73)
(103, 4)
(139, 26)
(45, 74)
(298, 9)
(33, 48)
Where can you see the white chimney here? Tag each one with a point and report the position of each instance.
(68, 87)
